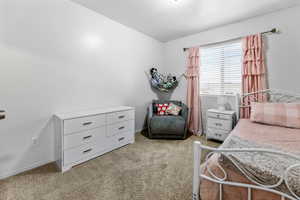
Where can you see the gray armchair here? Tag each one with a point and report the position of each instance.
(167, 126)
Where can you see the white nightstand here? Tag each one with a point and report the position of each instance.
(219, 124)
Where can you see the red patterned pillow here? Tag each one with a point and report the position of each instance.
(161, 108)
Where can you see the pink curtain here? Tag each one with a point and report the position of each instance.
(193, 99)
(253, 71)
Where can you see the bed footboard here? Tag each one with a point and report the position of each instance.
(196, 177)
(199, 153)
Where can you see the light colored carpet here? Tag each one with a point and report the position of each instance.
(146, 170)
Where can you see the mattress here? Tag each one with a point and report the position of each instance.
(254, 135)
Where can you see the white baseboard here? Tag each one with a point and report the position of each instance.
(13, 172)
(138, 131)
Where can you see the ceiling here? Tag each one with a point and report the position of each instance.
(170, 19)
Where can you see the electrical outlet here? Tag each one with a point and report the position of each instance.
(34, 141)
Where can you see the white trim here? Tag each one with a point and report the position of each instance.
(9, 173)
(196, 179)
(138, 131)
(14, 172)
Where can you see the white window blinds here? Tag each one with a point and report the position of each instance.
(220, 70)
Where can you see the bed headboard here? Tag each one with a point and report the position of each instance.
(276, 96)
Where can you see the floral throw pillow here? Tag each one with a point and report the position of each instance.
(173, 109)
(161, 108)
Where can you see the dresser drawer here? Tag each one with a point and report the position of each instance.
(219, 115)
(117, 117)
(96, 136)
(219, 124)
(217, 134)
(82, 152)
(83, 123)
(121, 127)
(122, 139)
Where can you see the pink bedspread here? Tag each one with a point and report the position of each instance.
(284, 139)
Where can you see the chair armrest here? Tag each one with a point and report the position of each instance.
(184, 114)
(184, 111)
(150, 111)
(150, 114)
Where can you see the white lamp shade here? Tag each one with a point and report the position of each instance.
(221, 102)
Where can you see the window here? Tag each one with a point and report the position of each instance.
(220, 71)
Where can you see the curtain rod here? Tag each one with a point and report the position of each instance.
(274, 30)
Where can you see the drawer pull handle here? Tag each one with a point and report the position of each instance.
(87, 151)
(218, 124)
(122, 138)
(122, 127)
(87, 123)
(121, 117)
(87, 137)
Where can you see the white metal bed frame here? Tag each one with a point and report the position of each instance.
(272, 96)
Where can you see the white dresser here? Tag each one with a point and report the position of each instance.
(219, 124)
(83, 135)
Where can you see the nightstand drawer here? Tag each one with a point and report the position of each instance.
(219, 115)
(219, 124)
(217, 134)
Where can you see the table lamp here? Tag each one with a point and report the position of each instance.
(221, 102)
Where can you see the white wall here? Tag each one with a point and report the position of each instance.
(283, 50)
(58, 56)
